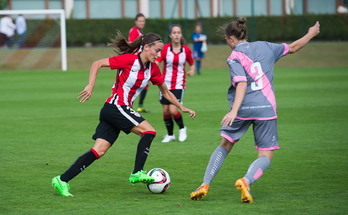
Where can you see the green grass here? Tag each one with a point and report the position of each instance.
(315, 54)
(44, 129)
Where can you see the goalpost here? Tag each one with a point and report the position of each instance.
(44, 39)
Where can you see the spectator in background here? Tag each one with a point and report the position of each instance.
(7, 30)
(21, 28)
(134, 33)
(199, 46)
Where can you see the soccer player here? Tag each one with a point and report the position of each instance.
(198, 39)
(134, 33)
(175, 55)
(137, 30)
(252, 100)
(134, 71)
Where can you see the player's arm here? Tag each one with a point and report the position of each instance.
(191, 72)
(172, 99)
(240, 93)
(195, 38)
(190, 61)
(93, 72)
(298, 44)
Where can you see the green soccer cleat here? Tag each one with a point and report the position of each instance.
(62, 187)
(142, 110)
(140, 176)
(244, 189)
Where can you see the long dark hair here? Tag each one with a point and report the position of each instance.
(122, 46)
(182, 40)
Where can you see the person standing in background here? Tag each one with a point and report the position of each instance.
(175, 55)
(199, 46)
(21, 28)
(134, 33)
(7, 30)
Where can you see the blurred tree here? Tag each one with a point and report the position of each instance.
(3, 4)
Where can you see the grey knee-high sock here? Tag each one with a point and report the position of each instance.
(215, 164)
(256, 169)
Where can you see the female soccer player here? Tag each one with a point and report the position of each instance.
(137, 30)
(252, 102)
(134, 33)
(175, 54)
(134, 71)
(198, 39)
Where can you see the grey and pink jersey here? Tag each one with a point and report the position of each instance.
(253, 62)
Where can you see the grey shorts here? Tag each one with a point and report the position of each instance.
(265, 132)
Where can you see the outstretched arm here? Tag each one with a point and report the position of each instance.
(87, 92)
(172, 99)
(298, 44)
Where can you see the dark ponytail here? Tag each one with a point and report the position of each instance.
(122, 46)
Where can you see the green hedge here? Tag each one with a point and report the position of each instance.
(268, 28)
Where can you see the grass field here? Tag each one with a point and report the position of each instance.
(44, 129)
(315, 54)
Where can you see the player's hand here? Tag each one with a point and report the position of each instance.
(315, 29)
(86, 93)
(190, 73)
(191, 112)
(228, 119)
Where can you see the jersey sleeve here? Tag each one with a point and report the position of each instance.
(237, 71)
(279, 50)
(133, 34)
(156, 76)
(189, 58)
(119, 62)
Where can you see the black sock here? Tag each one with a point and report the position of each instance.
(168, 121)
(80, 164)
(142, 151)
(178, 120)
(142, 97)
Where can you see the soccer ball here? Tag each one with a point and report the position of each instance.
(162, 180)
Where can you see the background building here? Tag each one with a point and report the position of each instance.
(191, 9)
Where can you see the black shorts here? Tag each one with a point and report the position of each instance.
(116, 118)
(179, 95)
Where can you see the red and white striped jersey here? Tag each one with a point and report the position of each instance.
(131, 78)
(174, 66)
(134, 33)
